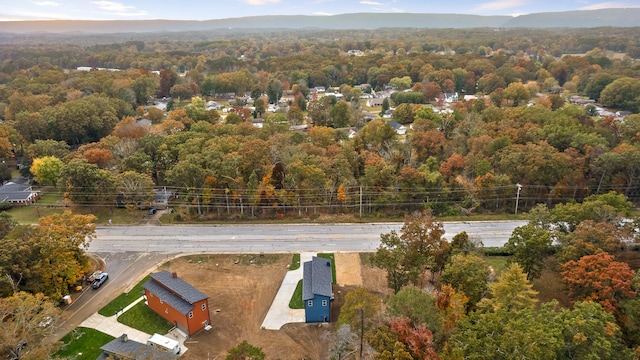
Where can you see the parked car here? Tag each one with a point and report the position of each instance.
(45, 322)
(152, 211)
(100, 279)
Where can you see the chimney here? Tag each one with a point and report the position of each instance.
(174, 275)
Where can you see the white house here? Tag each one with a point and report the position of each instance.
(399, 128)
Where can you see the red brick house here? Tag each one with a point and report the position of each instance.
(177, 301)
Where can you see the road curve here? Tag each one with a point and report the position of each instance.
(241, 238)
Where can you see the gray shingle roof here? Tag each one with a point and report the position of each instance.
(134, 350)
(316, 278)
(15, 192)
(179, 286)
(176, 292)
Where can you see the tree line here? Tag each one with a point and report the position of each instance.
(447, 302)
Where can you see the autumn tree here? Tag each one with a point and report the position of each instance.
(50, 257)
(136, 189)
(390, 257)
(100, 157)
(598, 278)
(467, 274)
(590, 238)
(168, 78)
(274, 91)
(417, 339)
(504, 335)
(512, 291)
(404, 113)
(587, 331)
(451, 307)
(622, 93)
(245, 351)
(7, 224)
(25, 321)
(418, 306)
(42, 148)
(387, 344)
(46, 170)
(181, 92)
(86, 184)
(343, 341)
(128, 128)
(360, 305)
(530, 246)
(82, 121)
(418, 248)
(340, 115)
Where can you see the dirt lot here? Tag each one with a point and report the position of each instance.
(241, 289)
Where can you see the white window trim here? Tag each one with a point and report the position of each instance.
(309, 303)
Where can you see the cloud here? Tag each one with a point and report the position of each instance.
(608, 5)
(365, 2)
(500, 5)
(112, 6)
(321, 13)
(261, 2)
(119, 9)
(47, 3)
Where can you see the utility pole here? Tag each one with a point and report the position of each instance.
(361, 330)
(518, 196)
(360, 200)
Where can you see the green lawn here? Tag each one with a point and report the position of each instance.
(82, 344)
(123, 300)
(498, 263)
(333, 264)
(295, 262)
(296, 299)
(141, 317)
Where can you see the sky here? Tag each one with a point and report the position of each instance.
(222, 9)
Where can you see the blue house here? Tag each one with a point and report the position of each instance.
(316, 290)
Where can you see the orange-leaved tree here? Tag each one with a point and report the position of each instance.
(599, 278)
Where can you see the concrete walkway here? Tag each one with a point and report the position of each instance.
(279, 313)
(110, 325)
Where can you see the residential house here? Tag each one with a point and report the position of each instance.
(145, 123)
(125, 349)
(18, 194)
(399, 128)
(373, 102)
(349, 132)
(178, 302)
(316, 290)
(258, 122)
(161, 199)
(212, 105)
(451, 97)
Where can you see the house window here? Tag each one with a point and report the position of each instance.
(310, 303)
(204, 307)
(161, 302)
(190, 314)
(324, 302)
(166, 310)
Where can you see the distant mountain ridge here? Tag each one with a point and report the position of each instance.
(629, 17)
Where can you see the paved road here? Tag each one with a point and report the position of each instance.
(125, 271)
(274, 238)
